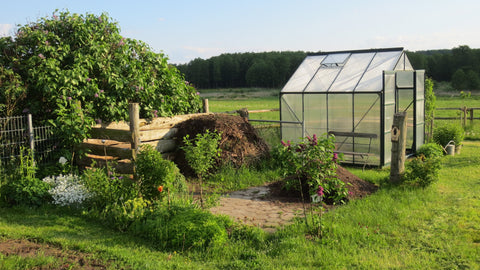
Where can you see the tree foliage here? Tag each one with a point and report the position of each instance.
(68, 58)
(268, 69)
(273, 69)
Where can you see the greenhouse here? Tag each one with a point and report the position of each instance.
(354, 96)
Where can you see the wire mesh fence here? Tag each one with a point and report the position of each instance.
(18, 133)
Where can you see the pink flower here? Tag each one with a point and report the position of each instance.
(335, 157)
(320, 191)
(89, 79)
(101, 91)
(96, 95)
(41, 56)
(69, 98)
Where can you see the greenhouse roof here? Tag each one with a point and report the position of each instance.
(346, 71)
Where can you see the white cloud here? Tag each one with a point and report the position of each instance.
(5, 29)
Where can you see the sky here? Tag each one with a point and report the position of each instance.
(187, 29)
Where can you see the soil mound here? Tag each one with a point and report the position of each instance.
(240, 143)
(357, 188)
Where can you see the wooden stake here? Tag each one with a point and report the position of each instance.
(399, 140)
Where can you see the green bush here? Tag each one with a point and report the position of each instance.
(430, 150)
(421, 171)
(446, 133)
(107, 188)
(153, 172)
(19, 186)
(184, 227)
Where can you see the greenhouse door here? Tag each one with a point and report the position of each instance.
(409, 96)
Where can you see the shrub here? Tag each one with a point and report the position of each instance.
(202, 151)
(184, 227)
(430, 150)
(421, 171)
(156, 174)
(107, 188)
(19, 184)
(123, 214)
(444, 134)
(313, 163)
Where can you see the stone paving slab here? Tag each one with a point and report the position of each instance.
(253, 207)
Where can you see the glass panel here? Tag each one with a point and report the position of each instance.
(340, 112)
(303, 74)
(372, 79)
(352, 72)
(336, 58)
(315, 114)
(388, 114)
(405, 79)
(291, 105)
(323, 79)
(420, 136)
(367, 126)
(408, 65)
(405, 102)
(400, 63)
(420, 83)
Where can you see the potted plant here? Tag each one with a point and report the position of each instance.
(450, 132)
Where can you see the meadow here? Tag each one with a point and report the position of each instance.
(437, 227)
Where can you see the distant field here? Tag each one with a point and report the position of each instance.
(225, 100)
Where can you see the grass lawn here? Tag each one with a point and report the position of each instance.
(433, 228)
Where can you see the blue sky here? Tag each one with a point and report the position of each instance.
(188, 29)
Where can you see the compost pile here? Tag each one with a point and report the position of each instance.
(240, 142)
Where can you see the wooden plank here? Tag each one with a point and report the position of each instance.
(157, 134)
(354, 153)
(111, 134)
(163, 146)
(353, 134)
(109, 148)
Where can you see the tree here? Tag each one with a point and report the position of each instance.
(68, 58)
(77, 68)
(459, 80)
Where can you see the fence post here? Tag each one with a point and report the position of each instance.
(31, 135)
(399, 139)
(464, 116)
(471, 116)
(205, 106)
(134, 111)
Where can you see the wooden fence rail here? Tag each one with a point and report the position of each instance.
(463, 115)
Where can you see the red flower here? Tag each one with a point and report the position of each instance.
(160, 188)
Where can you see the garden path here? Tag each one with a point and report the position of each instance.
(255, 206)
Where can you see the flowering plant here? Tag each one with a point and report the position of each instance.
(67, 189)
(314, 163)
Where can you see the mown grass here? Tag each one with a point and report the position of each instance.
(395, 228)
(433, 228)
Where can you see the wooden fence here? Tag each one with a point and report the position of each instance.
(463, 115)
(118, 143)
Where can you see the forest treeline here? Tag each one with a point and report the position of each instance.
(459, 66)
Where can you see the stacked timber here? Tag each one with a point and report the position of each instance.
(112, 142)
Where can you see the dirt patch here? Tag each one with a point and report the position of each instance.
(240, 142)
(357, 188)
(67, 259)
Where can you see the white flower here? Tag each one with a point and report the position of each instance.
(67, 189)
(62, 160)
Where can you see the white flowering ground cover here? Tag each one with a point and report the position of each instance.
(67, 189)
